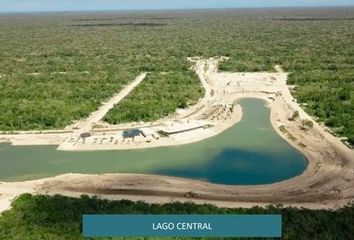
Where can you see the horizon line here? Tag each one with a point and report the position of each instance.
(173, 9)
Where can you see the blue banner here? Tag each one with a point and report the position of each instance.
(182, 226)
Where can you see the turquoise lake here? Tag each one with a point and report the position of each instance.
(248, 153)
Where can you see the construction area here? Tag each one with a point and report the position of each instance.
(215, 112)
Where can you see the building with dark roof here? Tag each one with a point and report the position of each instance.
(131, 133)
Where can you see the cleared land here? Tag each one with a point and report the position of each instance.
(97, 116)
(58, 69)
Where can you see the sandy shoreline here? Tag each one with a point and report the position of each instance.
(328, 182)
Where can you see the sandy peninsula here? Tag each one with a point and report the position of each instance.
(328, 182)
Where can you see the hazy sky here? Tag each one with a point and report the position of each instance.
(82, 5)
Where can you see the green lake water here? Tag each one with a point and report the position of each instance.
(249, 153)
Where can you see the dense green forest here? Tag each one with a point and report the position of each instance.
(137, 106)
(57, 68)
(58, 217)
